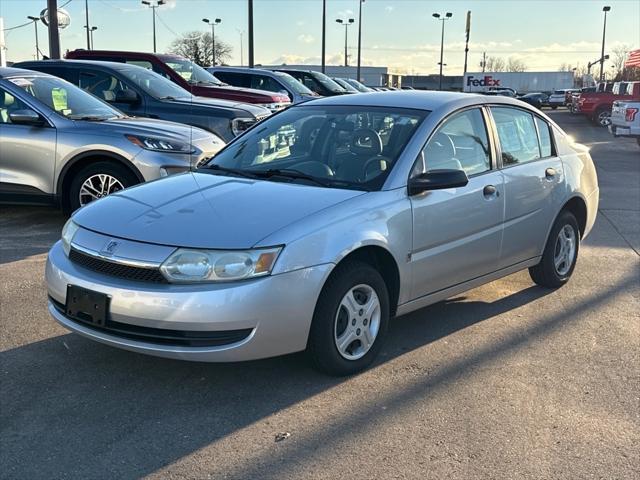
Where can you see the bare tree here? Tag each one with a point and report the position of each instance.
(565, 67)
(494, 64)
(515, 65)
(618, 58)
(196, 46)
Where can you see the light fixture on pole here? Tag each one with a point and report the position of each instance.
(35, 21)
(153, 4)
(213, 24)
(604, 31)
(346, 24)
(437, 16)
(91, 30)
(360, 2)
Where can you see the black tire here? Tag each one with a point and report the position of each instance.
(321, 346)
(545, 273)
(554, 107)
(600, 115)
(116, 170)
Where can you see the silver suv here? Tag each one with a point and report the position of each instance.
(61, 145)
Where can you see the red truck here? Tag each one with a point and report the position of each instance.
(188, 75)
(597, 105)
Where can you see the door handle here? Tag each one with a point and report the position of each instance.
(550, 173)
(490, 191)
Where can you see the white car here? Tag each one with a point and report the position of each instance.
(558, 98)
(625, 119)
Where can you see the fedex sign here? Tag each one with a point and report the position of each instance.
(486, 81)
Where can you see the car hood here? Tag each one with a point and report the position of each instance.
(252, 110)
(202, 210)
(147, 127)
(258, 96)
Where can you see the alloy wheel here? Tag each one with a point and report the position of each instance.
(98, 186)
(565, 250)
(357, 322)
(604, 118)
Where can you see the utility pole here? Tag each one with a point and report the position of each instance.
(54, 33)
(346, 24)
(437, 16)
(35, 21)
(86, 16)
(360, 2)
(324, 33)
(153, 4)
(213, 24)
(604, 31)
(241, 32)
(484, 61)
(251, 58)
(466, 45)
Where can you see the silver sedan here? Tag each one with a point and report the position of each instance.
(368, 208)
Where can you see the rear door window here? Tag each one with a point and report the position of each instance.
(544, 133)
(517, 134)
(234, 78)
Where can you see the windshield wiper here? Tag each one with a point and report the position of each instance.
(167, 97)
(234, 171)
(297, 175)
(89, 118)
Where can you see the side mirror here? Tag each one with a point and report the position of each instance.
(26, 117)
(437, 180)
(127, 96)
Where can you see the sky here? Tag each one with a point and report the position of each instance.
(399, 34)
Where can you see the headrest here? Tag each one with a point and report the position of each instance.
(366, 141)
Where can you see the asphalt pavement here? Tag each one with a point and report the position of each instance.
(506, 381)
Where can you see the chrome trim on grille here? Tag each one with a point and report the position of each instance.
(128, 262)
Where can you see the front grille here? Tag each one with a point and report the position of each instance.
(161, 336)
(127, 272)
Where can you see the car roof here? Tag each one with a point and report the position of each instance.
(91, 63)
(241, 70)
(9, 72)
(416, 99)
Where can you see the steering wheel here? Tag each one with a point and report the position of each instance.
(367, 135)
(441, 147)
(381, 161)
(314, 168)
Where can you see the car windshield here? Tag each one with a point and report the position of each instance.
(357, 85)
(66, 99)
(155, 85)
(192, 72)
(326, 82)
(293, 84)
(353, 147)
(346, 85)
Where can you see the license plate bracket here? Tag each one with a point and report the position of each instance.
(87, 306)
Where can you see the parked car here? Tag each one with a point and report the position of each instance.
(558, 98)
(568, 95)
(346, 85)
(59, 145)
(574, 106)
(189, 76)
(358, 86)
(315, 81)
(139, 92)
(504, 91)
(538, 100)
(597, 105)
(625, 118)
(263, 79)
(383, 204)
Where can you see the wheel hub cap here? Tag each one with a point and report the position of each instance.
(98, 186)
(565, 250)
(357, 322)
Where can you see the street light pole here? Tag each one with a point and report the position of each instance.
(437, 16)
(86, 16)
(604, 31)
(54, 32)
(241, 32)
(324, 33)
(153, 4)
(251, 63)
(35, 24)
(213, 38)
(360, 2)
(346, 24)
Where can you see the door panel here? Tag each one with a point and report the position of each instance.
(27, 153)
(457, 234)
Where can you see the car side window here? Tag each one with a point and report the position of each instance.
(233, 78)
(460, 143)
(9, 103)
(544, 133)
(262, 82)
(102, 84)
(517, 134)
(141, 63)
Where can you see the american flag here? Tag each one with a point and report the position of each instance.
(634, 59)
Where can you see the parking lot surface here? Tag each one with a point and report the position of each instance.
(506, 381)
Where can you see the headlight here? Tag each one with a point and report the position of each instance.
(160, 145)
(192, 266)
(241, 125)
(275, 107)
(68, 231)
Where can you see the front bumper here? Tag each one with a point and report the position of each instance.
(277, 309)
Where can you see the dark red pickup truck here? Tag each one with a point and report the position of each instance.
(597, 105)
(188, 75)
